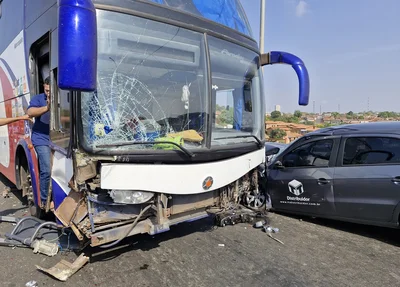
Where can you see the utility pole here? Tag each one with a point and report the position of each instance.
(339, 108)
(262, 25)
(320, 109)
(313, 110)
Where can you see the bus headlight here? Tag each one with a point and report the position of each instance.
(130, 196)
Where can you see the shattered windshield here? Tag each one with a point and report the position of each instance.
(152, 86)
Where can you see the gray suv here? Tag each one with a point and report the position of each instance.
(348, 172)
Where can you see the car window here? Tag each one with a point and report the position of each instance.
(316, 154)
(371, 150)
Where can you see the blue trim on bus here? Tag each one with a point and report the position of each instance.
(58, 193)
(9, 71)
(31, 169)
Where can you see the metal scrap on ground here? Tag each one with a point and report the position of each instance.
(64, 269)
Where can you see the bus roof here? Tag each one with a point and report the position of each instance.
(229, 13)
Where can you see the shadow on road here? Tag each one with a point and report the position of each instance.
(9, 212)
(384, 234)
(8, 184)
(147, 242)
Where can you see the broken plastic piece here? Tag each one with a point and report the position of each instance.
(32, 283)
(270, 229)
(259, 224)
(64, 269)
(45, 247)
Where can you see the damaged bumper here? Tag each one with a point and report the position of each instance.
(123, 200)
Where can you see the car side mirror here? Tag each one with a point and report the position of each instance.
(272, 151)
(278, 165)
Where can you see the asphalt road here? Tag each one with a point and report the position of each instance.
(315, 253)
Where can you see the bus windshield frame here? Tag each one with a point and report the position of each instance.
(148, 56)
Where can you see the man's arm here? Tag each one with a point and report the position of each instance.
(37, 112)
(34, 111)
(7, 121)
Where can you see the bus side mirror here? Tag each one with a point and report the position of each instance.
(276, 57)
(77, 45)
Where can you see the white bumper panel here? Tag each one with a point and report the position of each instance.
(178, 179)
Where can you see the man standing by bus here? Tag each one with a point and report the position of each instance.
(39, 109)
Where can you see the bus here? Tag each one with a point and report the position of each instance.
(157, 110)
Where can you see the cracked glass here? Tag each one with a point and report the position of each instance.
(150, 85)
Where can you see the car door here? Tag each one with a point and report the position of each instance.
(300, 180)
(367, 179)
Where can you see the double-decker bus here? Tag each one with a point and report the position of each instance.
(157, 110)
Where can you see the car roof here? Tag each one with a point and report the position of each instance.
(375, 127)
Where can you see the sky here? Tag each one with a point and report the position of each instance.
(351, 49)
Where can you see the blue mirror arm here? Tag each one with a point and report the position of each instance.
(277, 57)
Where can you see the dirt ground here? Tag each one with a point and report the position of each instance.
(316, 252)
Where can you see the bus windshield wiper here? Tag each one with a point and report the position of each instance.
(259, 142)
(184, 150)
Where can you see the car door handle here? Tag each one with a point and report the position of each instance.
(323, 181)
(396, 180)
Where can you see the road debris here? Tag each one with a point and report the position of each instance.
(6, 192)
(259, 224)
(64, 269)
(221, 245)
(270, 229)
(239, 215)
(45, 247)
(32, 283)
(276, 239)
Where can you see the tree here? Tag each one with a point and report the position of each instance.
(350, 115)
(276, 115)
(335, 115)
(297, 114)
(226, 117)
(383, 115)
(277, 134)
(290, 119)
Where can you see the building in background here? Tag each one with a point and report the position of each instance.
(277, 108)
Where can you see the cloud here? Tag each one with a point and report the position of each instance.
(301, 8)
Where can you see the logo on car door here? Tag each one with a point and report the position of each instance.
(296, 187)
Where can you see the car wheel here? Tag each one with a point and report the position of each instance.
(254, 200)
